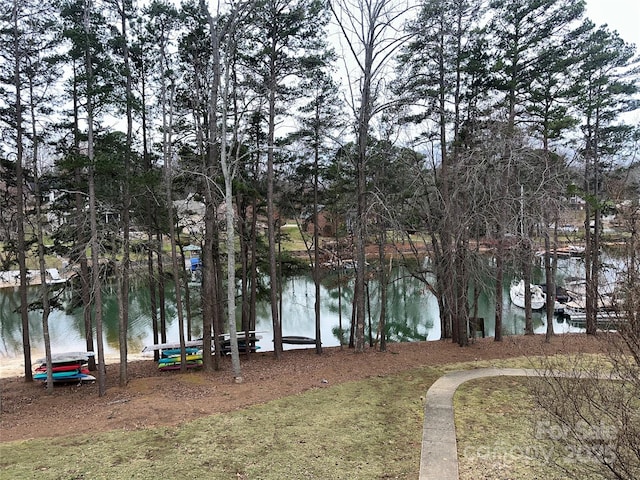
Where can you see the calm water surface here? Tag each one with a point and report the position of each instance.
(412, 314)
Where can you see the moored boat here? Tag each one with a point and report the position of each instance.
(517, 294)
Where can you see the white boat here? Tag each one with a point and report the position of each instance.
(538, 297)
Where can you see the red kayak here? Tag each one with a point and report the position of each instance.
(62, 368)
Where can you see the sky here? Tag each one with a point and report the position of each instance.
(623, 16)
(620, 15)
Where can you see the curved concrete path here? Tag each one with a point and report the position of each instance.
(439, 457)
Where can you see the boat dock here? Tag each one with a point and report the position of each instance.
(604, 320)
(11, 278)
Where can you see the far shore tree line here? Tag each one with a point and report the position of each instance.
(445, 123)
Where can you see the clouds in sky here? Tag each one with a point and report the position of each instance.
(620, 15)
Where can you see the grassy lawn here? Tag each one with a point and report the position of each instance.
(293, 240)
(496, 421)
(368, 429)
(503, 433)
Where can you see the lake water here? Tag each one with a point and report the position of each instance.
(412, 314)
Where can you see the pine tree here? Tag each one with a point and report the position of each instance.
(548, 108)
(28, 47)
(285, 40)
(520, 30)
(318, 120)
(606, 83)
(93, 86)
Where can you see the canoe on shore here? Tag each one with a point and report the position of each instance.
(298, 340)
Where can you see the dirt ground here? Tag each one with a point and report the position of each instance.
(154, 398)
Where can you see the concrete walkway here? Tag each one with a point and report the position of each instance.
(439, 457)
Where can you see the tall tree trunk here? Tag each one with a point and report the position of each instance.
(228, 171)
(361, 216)
(153, 301)
(549, 275)
(177, 276)
(526, 269)
(123, 297)
(210, 278)
(167, 105)
(93, 207)
(447, 263)
(231, 272)
(316, 239)
(151, 216)
(81, 232)
(247, 281)
(383, 279)
(208, 285)
(85, 284)
(44, 285)
(354, 313)
(44, 288)
(340, 328)
(95, 267)
(20, 196)
(461, 292)
(244, 265)
(274, 289)
(498, 284)
(591, 257)
(162, 291)
(443, 288)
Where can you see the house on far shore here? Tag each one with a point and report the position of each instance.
(327, 222)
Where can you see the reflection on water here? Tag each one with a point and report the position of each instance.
(412, 314)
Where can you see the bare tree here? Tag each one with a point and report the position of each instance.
(438, 82)
(225, 147)
(370, 30)
(590, 411)
(229, 163)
